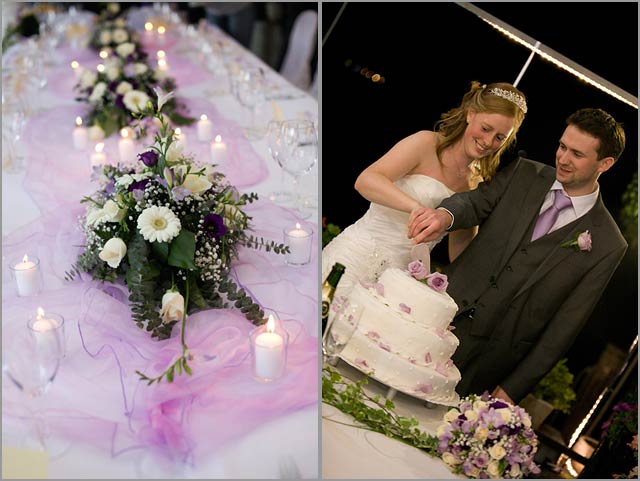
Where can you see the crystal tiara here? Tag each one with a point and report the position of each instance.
(511, 97)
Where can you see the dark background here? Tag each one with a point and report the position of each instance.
(429, 53)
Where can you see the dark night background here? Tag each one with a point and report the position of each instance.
(429, 53)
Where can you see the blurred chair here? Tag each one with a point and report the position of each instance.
(301, 47)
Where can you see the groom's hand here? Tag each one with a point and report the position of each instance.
(427, 224)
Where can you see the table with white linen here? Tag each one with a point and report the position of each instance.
(350, 452)
(287, 441)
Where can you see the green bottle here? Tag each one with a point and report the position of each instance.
(328, 291)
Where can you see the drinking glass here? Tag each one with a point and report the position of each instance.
(13, 123)
(249, 90)
(340, 330)
(299, 155)
(275, 144)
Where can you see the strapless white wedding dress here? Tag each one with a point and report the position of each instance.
(379, 238)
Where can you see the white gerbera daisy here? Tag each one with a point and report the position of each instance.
(158, 224)
(120, 36)
(135, 100)
(125, 49)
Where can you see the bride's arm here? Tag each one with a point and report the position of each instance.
(375, 183)
(459, 240)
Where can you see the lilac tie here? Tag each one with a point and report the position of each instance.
(549, 216)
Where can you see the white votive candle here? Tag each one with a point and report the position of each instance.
(269, 353)
(77, 69)
(80, 135)
(126, 147)
(100, 68)
(161, 32)
(204, 128)
(180, 138)
(98, 157)
(218, 151)
(48, 331)
(299, 242)
(27, 276)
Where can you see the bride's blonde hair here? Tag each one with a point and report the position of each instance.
(496, 98)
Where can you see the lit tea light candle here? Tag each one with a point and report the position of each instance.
(180, 138)
(161, 32)
(218, 151)
(104, 54)
(162, 64)
(98, 157)
(27, 276)
(270, 351)
(161, 54)
(126, 147)
(48, 332)
(100, 68)
(42, 324)
(77, 69)
(299, 242)
(148, 28)
(204, 128)
(80, 135)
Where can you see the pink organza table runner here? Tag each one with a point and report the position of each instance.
(97, 397)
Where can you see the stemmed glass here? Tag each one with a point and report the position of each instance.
(31, 363)
(299, 155)
(275, 144)
(250, 93)
(340, 330)
(13, 123)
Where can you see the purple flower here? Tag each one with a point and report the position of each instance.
(437, 282)
(213, 226)
(179, 193)
(129, 70)
(139, 185)
(498, 405)
(418, 270)
(138, 195)
(118, 101)
(150, 158)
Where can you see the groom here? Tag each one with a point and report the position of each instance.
(525, 291)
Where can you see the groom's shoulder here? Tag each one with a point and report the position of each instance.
(526, 166)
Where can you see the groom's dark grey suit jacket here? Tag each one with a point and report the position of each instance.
(522, 303)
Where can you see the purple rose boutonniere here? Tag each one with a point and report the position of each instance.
(580, 241)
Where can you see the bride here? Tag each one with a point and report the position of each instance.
(421, 170)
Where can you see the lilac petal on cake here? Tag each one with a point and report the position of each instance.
(425, 388)
(384, 347)
(449, 363)
(441, 369)
(440, 332)
(379, 288)
(412, 360)
(361, 362)
(427, 357)
(367, 285)
(451, 328)
(405, 308)
(373, 335)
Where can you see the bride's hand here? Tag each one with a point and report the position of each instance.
(427, 224)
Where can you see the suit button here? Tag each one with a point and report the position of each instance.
(509, 268)
(494, 285)
(524, 251)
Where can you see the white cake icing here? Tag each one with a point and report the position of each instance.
(403, 338)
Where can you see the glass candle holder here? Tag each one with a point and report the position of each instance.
(27, 275)
(47, 330)
(269, 344)
(299, 241)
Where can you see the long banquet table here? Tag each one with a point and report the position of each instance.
(218, 423)
(351, 452)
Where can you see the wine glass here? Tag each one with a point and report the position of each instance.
(299, 155)
(13, 123)
(249, 90)
(275, 144)
(31, 362)
(340, 329)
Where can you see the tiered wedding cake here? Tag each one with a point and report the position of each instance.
(403, 338)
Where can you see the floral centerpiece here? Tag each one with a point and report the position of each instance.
(120, 90)
(482, 437)
(170, 227)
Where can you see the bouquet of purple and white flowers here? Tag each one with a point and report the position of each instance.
(485, 437)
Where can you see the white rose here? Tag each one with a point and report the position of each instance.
(515, 471)
(450, 459)
(197, 184)
(174, 152)
(112, 212)
(124, 181)
(113, 7)
(88, 78)
(123, 88)
(172, 306)
(481, 433)
(471, 415)
(493, 469)
(135, 100)
(120, 22)
(113, 73)
(526, 421)
(113, 252)
(497, 452)
(105, 37)
(125, 49)
(139, 68)
(120, 35)
(94, 214)
(441, 430)
(478, 405)
(505, 414)
(451, 415)
(95, 133)
(98, 92)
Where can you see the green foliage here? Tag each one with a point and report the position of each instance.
(373, 412)
(629, 213)
(557, 387)
(329, 232)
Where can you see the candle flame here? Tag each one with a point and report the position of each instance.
(99, 147)
(161, 30)
(78, 121)
(124, 133)
(160, 54)
(203, 117)
(271, 324)
(148, 26)
(298, 225)
(103, 54)
(218, 138)
(162, 62)
(40, 312)
(100, 68)
(25, 258)
(74, 64)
